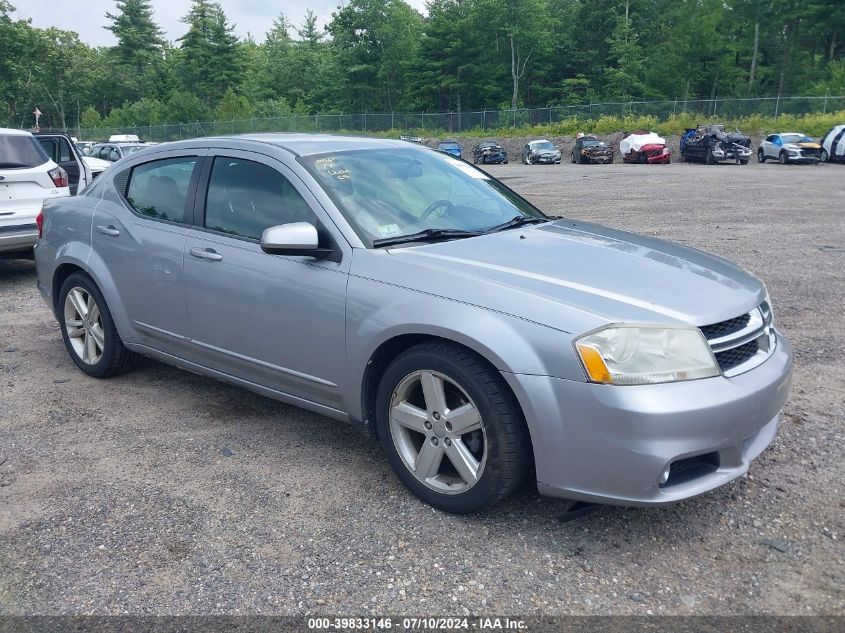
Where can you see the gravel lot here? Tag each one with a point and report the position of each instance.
(161, 492)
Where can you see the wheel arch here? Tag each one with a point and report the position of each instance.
(391, 349)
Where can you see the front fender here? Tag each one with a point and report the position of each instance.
(378, 312)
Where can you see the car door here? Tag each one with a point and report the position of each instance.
(271, 320)
(140, 236)
(775, 146)
(64, 153)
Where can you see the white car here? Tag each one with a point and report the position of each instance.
(790, 147)
(96, 165)
(833, 145)
(27, 177)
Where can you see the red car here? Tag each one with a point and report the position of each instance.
(644, 147)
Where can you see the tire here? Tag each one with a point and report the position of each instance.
(100, 361)
(506, 162)
(710, 160)
(684, 158)
(825, 156)
(573, 158)
(643, 159)
(743, 162)
(761, 156)
(498, 442)
(783, 159)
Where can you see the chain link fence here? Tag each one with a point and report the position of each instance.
(481, 120)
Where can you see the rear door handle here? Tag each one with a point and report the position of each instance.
(108, 230)
(206, 253)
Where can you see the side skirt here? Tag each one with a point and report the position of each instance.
(201, 370)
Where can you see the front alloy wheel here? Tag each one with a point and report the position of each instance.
(450, 427)
(438, 432)
(761, 156)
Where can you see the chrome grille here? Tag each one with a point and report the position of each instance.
(743, 342)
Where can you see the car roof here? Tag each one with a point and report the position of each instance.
(305, 144)
(12, 132)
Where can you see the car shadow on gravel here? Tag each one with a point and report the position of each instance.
(16, 270)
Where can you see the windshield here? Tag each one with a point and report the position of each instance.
(129, 149)
(449, 146)
(796, 138)
(20, 151)
(389, 193)
(594, 144)
(542, 145)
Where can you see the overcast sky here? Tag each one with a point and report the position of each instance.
(87, 17)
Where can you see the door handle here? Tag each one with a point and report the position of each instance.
(108, 230)
(206, 253)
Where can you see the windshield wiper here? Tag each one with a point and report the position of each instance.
(520, 220)
(426, 236)
(12, 165)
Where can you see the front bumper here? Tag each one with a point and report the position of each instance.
(732, 154)
(611, 444)
(18, 239)
(597, 158)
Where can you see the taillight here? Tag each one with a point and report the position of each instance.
(39, 222)
(59, 177)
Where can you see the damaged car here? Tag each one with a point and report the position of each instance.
(489, 153)
(791, 147)
(645, 148)
(589, 149)
(833, 145)
(540, 152)
(711, 144)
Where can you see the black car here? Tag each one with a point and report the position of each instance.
(489, 153)
(711, 144)
(589, 149)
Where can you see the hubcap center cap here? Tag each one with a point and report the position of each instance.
(439, 429)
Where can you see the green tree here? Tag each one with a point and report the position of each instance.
(210, 60)
(233, 106)
(139, 44)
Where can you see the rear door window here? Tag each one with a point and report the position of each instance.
(245, 198)
(20, 151)
(159, 189)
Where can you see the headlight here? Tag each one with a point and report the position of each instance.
(646, 354)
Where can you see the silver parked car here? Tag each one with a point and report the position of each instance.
(409, 293)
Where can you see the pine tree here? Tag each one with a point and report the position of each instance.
(139, 43)
(211, 59)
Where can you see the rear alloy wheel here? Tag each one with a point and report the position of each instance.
(825, 156)
(783, 158)
(450, 429)
(761, 156)
(88, 330)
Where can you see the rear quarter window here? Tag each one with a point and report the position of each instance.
(18, 151)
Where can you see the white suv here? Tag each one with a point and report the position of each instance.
(27, 177)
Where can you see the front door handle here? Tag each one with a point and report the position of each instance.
(206, 253)
(108, 230)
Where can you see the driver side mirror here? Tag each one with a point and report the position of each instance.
(297, 239)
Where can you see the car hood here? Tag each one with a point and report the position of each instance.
(573, 276)
(96, 164)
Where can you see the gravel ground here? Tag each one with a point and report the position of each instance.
(161, 492)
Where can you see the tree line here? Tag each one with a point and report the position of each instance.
(384, 56)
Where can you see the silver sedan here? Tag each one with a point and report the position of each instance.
(409, 293)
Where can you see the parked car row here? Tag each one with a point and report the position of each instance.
(709, 143)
